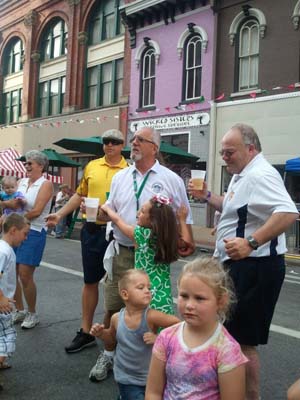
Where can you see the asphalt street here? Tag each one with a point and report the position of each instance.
(42, 370)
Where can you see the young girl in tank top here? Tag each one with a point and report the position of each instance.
(133, 330)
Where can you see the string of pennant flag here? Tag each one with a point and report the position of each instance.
(168, 109)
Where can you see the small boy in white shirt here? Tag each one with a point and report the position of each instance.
(15, 229)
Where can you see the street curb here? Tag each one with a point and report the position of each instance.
(293, 259)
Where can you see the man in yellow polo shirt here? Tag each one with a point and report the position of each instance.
(96, 182)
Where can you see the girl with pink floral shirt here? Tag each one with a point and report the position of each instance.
(197, 359)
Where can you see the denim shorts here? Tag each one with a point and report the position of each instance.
(93, 247)
(131, 392)
(30, 252)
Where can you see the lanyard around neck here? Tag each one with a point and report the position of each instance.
(138, 191)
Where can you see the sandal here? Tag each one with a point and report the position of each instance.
(4, 365)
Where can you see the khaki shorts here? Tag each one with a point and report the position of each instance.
(121, 263)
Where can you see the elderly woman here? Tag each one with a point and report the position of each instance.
(38, 192)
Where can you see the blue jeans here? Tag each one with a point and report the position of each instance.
(61, 226)
(131, 392)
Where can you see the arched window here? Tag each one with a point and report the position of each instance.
(147, 90)
(192, 62)
(13, 58)
(248, 55)
(54, 42)
(105, 21)
(11, 99)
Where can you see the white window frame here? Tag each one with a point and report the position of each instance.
(252, 58)
(148, 56)
(194, 68)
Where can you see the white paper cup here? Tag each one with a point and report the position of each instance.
(198, 177)
(91, 208)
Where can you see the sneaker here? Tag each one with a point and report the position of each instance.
(80, 341)
(101, 368)
(30, 321)
(18, 316)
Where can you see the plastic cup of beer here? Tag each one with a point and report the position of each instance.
(198, 177)
(91, 208)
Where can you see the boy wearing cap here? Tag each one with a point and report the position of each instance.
(95, 182)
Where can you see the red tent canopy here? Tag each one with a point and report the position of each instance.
(9, 166)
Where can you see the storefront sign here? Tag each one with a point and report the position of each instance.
(176, 121)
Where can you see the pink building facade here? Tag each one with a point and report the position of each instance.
(171, 82)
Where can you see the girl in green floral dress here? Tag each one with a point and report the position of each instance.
(156, 245)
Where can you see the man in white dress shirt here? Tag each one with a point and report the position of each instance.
(130, 189)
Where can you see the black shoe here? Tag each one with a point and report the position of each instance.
(80, 341)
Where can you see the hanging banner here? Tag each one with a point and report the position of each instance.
(176, 121)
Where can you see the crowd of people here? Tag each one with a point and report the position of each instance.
(211, 352)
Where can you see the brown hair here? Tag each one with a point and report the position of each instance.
(14, 220)
(164, 236)
(126, 277)
(211, 272)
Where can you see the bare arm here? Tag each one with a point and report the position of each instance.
(238, 248)
(107, 335)
(72, 204)
(44, 195)
(6, 304)
(126, 229)
(214, 200)
(156, 379)
(232, 384)
(157, 319)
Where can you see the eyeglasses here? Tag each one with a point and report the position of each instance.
(141, 139)
(227, 153)
(29, 163)
(114, 142)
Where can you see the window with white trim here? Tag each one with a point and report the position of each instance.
(248, 55)
(147, 91)
(192, 68)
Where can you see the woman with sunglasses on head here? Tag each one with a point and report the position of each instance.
(38, 192)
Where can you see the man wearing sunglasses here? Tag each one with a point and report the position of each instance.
(96, 182)
(131, 188)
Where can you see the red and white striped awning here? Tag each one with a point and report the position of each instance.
(9, 166)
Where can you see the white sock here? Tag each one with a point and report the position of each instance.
(109, 354)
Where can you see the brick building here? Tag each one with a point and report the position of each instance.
(62, 72)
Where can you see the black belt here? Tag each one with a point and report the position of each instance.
(130, 248)
(92, 227)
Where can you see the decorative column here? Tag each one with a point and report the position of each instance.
(72, 98)
(30, 67)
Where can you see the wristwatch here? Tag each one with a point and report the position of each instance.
(253, 243)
